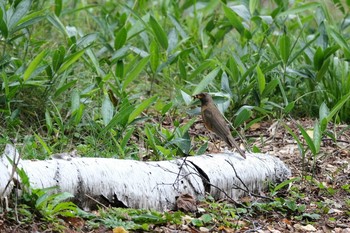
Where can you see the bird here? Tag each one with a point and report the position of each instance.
(215, 122)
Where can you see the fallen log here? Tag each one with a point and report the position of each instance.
(150, 185)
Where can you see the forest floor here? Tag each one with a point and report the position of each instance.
(318, 200)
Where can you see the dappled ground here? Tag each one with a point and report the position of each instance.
(321, 204)
(328, 195)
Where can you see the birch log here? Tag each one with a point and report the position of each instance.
(150, 185)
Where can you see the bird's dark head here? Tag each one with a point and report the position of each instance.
(203, 97)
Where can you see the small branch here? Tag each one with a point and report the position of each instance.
(245, 186)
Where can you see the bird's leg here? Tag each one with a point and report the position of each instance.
(212, 139)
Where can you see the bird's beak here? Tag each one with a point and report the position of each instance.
(195, 97)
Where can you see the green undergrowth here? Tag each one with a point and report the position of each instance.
(107, 77)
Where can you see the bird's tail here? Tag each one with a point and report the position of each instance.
(232, 144)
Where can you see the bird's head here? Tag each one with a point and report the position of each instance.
(203, 97)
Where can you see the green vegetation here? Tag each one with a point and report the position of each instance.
(94, 76)
(115, 79)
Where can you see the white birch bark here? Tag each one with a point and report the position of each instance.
(150, 185)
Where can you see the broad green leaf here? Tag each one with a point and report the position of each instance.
(150, 137)
(309, 141)
(135, 72)
(338, 106)
(233, 19)
(107, 110)
(206, 81)
(330, 51)
(323, 114)
(285, 183)
(64, 88)
(285, 48)
(289, 107)
(173, 40)
(310, 216)
(318, 58)
(58, 57)
(184, 128)
(154, 56)
(233, 72)
(301, 8)
(202, 149)
(186, 97)
(121, 53)
(119, 69)
(21, 10)
(120, 38)
(197, 222)
(58, 7)
(75, 100)
(317, 136)
(182, 69)
(159, 32)
(184, 144)
(33, 65)
(95, 62)
(340, 40)
(242, 116)
(70, 61)
(249, 71)
(30, 19)
(242, 11)
(126, 137)
(118, 119)
(3, 25)
(87, 40)
(270, 87)
(225, 86)
(206, 218)
(56, 22)
(253, 5)
(207, 64)
(142, 106)
(261, 80)
(78, 114)
(166, 108)
(48, 121)
(323, 70)
(164, 151)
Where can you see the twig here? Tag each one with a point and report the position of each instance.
(93, 199)
(245, 186)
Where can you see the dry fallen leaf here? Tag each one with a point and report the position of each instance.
(186, 202)
(308, 227)
(119, 230)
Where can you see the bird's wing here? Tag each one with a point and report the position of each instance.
(216, 122)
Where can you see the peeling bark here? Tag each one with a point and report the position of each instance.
(150, 185)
